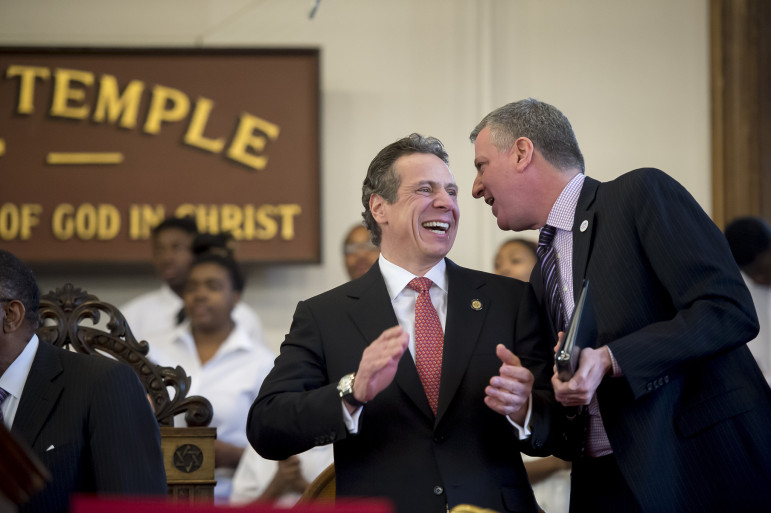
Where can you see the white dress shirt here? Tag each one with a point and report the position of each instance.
(14, 378)
(761, 345)
(230, 380)
(403, 301)
(254, 474)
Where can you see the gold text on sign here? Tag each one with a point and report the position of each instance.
(166, 105)
(104, 221)
(70, 158)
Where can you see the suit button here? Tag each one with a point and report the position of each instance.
(649, 386)
(666, 379)
(438, 439)
(438, 490)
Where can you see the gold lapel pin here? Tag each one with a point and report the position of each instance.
(476, 304)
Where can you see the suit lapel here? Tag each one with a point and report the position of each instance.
(41, 392)
(582, 239)
(371, 309)
(464, 323)
(373, 313)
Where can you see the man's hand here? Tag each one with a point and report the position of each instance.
(379, 363)
(509, 392)
(592, 367)
(290, 473)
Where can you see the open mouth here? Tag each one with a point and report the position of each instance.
(490, 200)
(437, 227)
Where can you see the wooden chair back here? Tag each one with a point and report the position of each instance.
(71, 318)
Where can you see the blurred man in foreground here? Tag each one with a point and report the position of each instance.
(86, 417)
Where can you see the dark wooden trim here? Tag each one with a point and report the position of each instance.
(741, 108)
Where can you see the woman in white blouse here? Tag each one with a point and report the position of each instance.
(226, 364)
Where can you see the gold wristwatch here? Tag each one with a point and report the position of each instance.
(345, 389)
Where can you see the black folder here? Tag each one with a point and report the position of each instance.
(581, 333)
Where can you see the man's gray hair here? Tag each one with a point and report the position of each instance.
(543, 124)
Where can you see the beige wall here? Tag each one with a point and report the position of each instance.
(632, 77)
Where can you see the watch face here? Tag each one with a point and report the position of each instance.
(345, 384)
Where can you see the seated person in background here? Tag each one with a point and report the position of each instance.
(85, 417)
(226, 364)
(278, 482)
(549, 476)
(359, 252)
(283, 482)
(750, 241)
(516, 258)
(157, 313)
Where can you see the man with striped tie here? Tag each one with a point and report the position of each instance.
(428, 378)
(677, 413)
(85, 417)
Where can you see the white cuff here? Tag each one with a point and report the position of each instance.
(523, 431)
(352, 419)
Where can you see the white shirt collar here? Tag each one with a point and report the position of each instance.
(397, 278)
(169, 294)
(237, 339)
(14, 378)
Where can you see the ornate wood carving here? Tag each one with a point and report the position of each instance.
(63, 322)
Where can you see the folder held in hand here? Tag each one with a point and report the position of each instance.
(581, 333)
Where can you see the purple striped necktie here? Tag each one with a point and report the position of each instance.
(547, 258)
(3, 395)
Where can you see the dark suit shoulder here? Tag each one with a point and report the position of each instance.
(94, 372)
(642, 178)
(91, 364)
(644, 190)
(476, 278)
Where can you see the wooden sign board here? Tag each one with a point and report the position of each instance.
(97, 146)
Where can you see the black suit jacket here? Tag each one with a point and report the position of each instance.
(467, 454)
(88, 420)
(690, 420)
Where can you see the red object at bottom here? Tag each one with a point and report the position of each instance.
(93, 504)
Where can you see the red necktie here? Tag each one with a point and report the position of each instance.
(429, 340)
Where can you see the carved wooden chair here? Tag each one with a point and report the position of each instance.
(188, 453)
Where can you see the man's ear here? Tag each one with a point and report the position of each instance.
(377, 206)
(14, 316)
(521, 152)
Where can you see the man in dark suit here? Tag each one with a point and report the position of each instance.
(86, 418)
(353, 369)
(676, 411)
